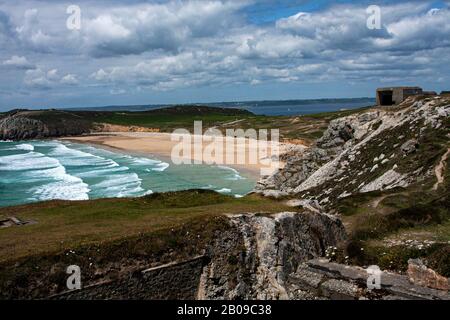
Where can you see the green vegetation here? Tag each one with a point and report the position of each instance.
(376, 226)
(109, 237)
(168, 119)
(389, 227)
(65, 225)
(380, 225)
(306, 129)
(396, 258)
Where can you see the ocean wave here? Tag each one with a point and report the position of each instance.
(160, 167)
(45, 170)
(27, 161)
(25, 146)
(74, 157)
(155, 165)
(99, 172)
(224, 190)
(235, 175)
(74, 189)
(56, 182)
(120, 185)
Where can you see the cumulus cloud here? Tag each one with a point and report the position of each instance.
(37, 78)
(69, 79)
(48, 79)
(141, 28)
(19, 62)
(168, 45)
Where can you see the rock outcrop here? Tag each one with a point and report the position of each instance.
(419, 274)
(254, 258)
(363, 152)
(322, 279)
(23, 125)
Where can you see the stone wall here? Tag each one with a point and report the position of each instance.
(177, 281)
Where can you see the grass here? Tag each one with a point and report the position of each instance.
(305, 128)
(65, 225)
(420, 215)
(112, 238)
(415, 213)
(401, 215)
(437, 256)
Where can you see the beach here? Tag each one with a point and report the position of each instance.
(161, 145)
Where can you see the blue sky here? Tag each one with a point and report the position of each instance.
(181, 51)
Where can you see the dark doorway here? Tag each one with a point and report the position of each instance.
(386, 98)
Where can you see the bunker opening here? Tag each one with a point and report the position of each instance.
(385, 97)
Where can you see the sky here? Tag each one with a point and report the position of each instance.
(165, 52)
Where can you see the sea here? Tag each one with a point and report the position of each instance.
(34, 171)
(268, 108)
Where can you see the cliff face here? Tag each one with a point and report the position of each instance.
(19, 128)
(376, 150)
(22, 125)
(254, 258)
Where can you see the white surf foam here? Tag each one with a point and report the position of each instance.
(160, 167)
(155, 165)
(120, 185)
(63, 190)
(25, 146)
(56, 182)
(27, 161)
(235, 175)
(74, 157)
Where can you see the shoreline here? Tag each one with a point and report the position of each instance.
(159, 145)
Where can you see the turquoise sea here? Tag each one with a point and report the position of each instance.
(35, 171)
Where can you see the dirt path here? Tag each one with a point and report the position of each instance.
(439, 170)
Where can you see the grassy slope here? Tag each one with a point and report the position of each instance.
(112, 237)
(63, 224)
(418, 213)
(305, 128)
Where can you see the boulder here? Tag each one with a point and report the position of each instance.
(419, 274)
(410, 146)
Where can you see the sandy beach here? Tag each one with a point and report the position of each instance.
(162, 145)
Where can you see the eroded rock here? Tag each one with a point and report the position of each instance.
(253, 259)
(419, 274)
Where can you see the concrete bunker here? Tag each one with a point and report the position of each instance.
(396, 95)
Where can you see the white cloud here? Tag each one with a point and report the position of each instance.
(41, 79)
(37, 78)
(147, 27)
(191, 44)
(117, 91)
(69, 79)
(19, 62)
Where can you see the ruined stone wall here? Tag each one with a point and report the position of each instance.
(177, 281)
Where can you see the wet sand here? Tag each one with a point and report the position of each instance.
(162, 145)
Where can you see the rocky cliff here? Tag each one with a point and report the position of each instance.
(384, 172)
(375, 150)
(23, 124)
(253, 259)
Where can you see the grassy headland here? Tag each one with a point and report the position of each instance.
(303, 128)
